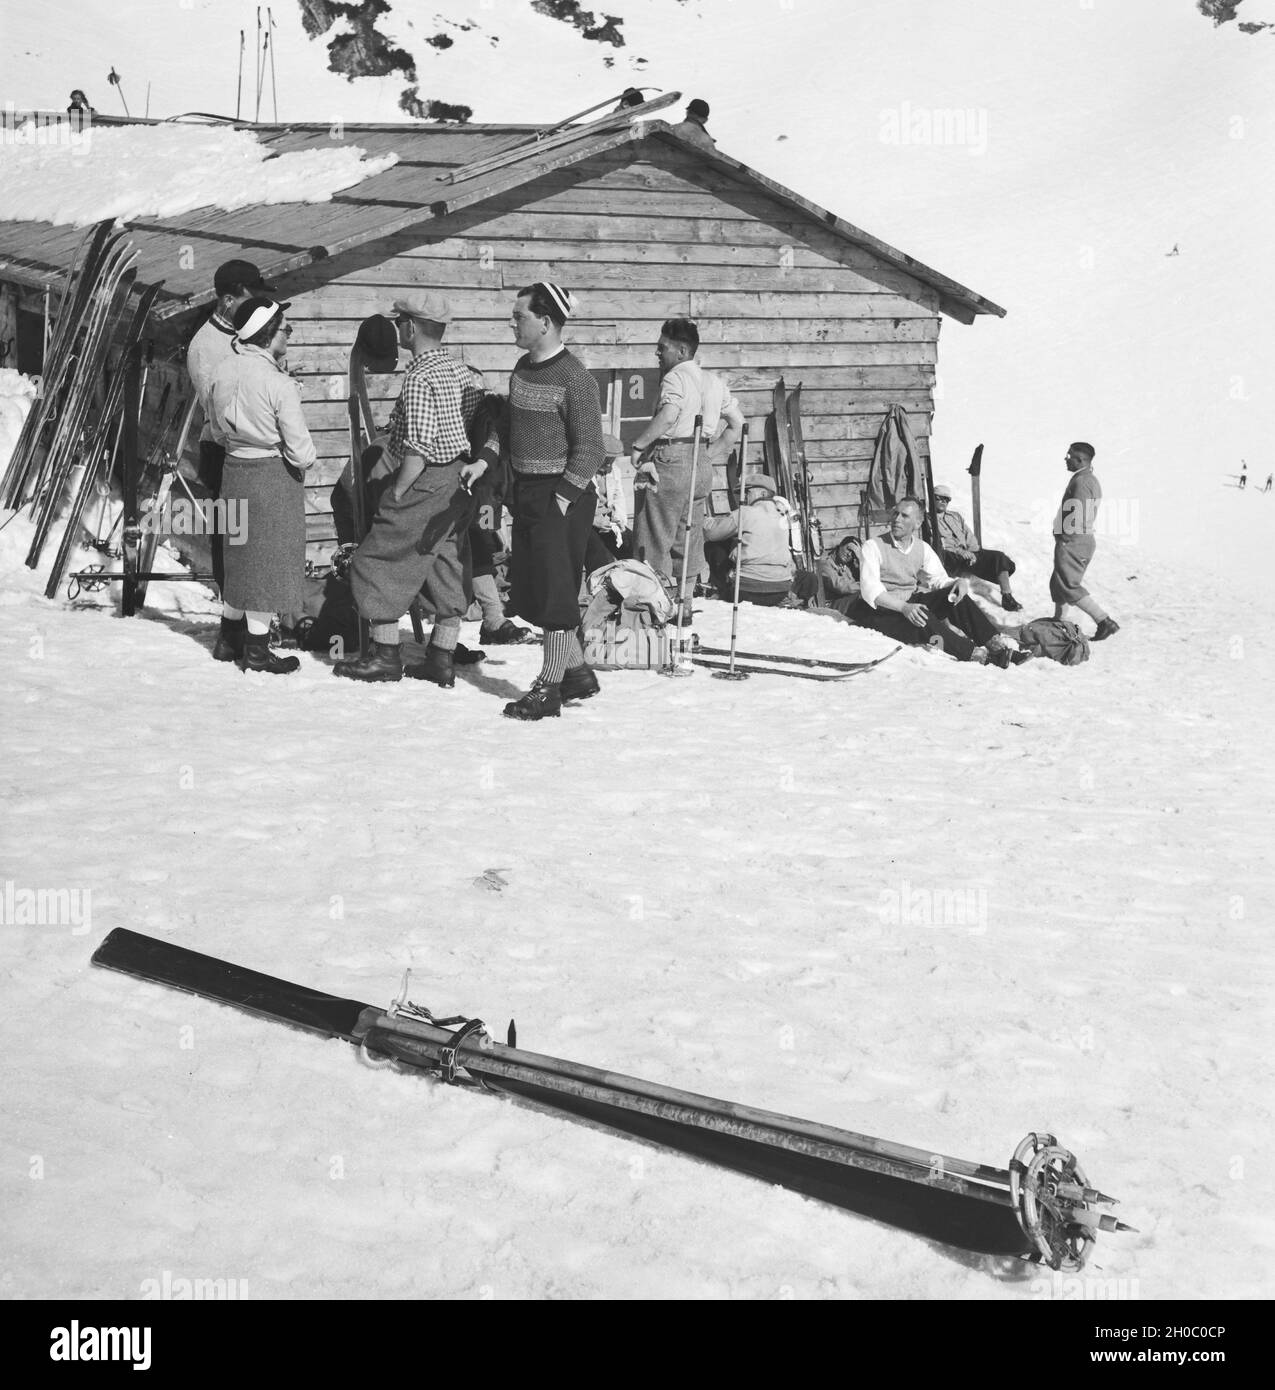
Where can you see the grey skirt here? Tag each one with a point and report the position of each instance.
(265, 540)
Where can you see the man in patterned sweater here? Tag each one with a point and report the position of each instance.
(417, 536)
(555, 446)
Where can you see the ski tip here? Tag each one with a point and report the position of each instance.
(511, 1035)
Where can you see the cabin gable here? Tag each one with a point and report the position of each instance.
(643, 233)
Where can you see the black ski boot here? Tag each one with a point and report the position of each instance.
(438, 666)
(383, 662)
(229, 645)
(257, 656)
(465, 656)
(508, 634)
(542, 701)
(579, 683)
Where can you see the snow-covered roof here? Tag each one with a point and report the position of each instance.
(407, 175)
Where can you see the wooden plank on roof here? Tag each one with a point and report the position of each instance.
(555, 138)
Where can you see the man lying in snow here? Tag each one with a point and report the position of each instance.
(906, 594)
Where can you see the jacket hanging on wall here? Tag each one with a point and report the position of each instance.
(896, 470)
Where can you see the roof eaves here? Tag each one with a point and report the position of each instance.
(954, 298)
(461, 195)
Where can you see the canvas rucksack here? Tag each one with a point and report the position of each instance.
(1056, 638)
(626, 616)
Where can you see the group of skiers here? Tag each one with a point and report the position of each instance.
(447, 442)
(256, 450)
(899, 585)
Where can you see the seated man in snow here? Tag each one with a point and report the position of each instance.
(906, 594)
(839, 575)
(962, 554)
(762, 553)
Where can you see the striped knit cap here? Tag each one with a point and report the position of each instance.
(564, 299)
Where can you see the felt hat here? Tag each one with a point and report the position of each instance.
(761, 482)
(431, 307)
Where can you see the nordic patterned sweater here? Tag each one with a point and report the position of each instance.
(555, 422)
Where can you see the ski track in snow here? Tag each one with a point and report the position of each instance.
(698, 890)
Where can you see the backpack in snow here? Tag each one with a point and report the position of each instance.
(626, 616)
(1055, 638)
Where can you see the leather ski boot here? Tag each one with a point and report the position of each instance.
(508, 634)
(257, 656)
(438, 666)
(383, 662)
(230, 640)
(579, 683)
(542, 701)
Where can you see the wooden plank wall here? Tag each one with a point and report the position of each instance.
(773, 294)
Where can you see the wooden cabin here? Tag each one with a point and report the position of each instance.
(642, 224)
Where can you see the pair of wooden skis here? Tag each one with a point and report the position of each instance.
(1038, 1208)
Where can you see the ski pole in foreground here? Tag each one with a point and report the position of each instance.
(731, 674)
(679, 663)
(1040, 1208)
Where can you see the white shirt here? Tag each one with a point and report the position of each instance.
(208, 349)
(932, 575)
(255, 409)
(694, 391)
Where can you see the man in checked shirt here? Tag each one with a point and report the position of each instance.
(418, 536)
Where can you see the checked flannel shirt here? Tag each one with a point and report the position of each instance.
(432, 414)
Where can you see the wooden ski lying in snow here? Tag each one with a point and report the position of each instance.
(800, 667)
(1040, 1208)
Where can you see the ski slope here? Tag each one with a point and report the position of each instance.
(730, 888)
(941, 904)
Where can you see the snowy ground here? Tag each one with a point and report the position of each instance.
(726, 887)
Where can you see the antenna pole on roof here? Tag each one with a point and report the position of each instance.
(274, 87)
(239, 88)
(256, 61)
